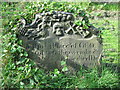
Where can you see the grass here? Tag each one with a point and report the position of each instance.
(109, 28)
(105, 6)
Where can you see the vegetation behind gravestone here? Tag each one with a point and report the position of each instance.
(20, 72)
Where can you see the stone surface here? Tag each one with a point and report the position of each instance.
(53, 37)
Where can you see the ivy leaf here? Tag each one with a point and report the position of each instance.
(32, 82)
(36, 78)
(56, 71)
(25, 54)
(21, 83)
(21, 68)
(65, 69)
(63, 63)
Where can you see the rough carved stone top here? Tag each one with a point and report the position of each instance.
(53, 24)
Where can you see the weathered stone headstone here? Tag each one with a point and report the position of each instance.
(53, 37)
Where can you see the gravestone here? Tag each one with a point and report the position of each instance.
(53, 37)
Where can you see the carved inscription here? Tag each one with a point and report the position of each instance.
(51, 50)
